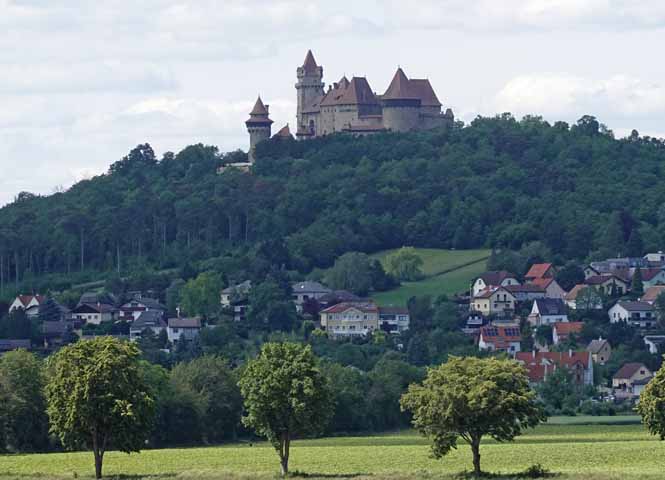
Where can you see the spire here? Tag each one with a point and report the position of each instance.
(259, 108)
(309, 65)
(399, 87)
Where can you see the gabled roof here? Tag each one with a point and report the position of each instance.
(240, 289)
(284, 132)
(183, 322)
(309, 287)
(309, 65)
(500, 337)
(636, 306)
(148, 302)
(495, 277)
(652, 293)
(26, 299)
(566, 359)
(629, 369)
(538, 270)
(544, 282)
(563, 329)
(595, 346)
(550, 306)
(526, 288)
(603, 278)
(649, 274)
(575, 291)
(488, 292)
(150, 318)
(355, 92)
(365, 307)
(399, 88)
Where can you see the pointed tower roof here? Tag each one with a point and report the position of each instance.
(259, 114)
(310, 65)
(284, 132)
(259, 108)
(399, 88)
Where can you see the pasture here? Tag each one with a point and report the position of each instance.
(601, 449)
(446, 272)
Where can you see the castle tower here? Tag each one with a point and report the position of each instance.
(401, 104)
(258, 126)
(309, 87)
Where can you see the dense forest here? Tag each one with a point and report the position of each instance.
(497, 182)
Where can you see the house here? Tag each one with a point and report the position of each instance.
(93, 298)
(651, 294)
(182, 328)
(474, 321)
(9, 345)
(350, 319)
(490, 279)
(95, 313)
(655, 259)
(561, 331)
(551, 287)
(583, 297)
(494, 301)
(547, 311)
(54, 333)
(394, 319)
(631, 379)
(539, 270)
(236, 299)
(541, 364)
(130, 311)
(338, 296)
(608, 283)
(527, 292)
(149, 319)
(500, 339)
(638, 314)
(654, 343)
(600, 350)
(29, 303)
(652, 277)
(304, 291)
(618, 266)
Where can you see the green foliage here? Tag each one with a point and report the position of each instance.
(23, 421)
(637, 285)
(271, 307)
(405, 264)
(353, 272)
(201, 296)
(97, 397)
(652, 404)
(285, 395)
(469, 398)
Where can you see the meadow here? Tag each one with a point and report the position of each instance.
(598, 448)
(445, 272)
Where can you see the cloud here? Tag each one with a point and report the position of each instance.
(538, 15)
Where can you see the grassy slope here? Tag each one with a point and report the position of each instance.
(436, 283)
(577, 451)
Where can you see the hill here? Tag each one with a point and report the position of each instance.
(497, 182)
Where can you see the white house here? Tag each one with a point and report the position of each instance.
(631, 379)
(132, 310)
(95, 313)
(183, 328)
(547, 311)
(526, 292)
(29, 303)
(494, 301)
(658, 257)
(394, 319)
(236, 298)
(491, 279)
(638, 314)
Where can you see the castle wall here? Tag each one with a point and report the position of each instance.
(256, 135)
(401, 118)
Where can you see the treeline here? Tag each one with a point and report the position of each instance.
(497, 182)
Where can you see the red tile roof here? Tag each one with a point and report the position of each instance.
(538, 270)
(557, 358)
(652, 293)
(564, 329)
(501, 337)
(542, 282)
(423, 90)
(399, 88)
(355, 92)
(575, 291)
(649, 273)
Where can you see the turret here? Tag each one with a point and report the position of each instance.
(401, 105)
(309, 86)
(258, 126)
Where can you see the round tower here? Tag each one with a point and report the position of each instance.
(401, 106)
(309, 87)
(258, 126)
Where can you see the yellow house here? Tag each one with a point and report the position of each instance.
(348, 319)
(494, 301)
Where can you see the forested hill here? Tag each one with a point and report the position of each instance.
(496, 182)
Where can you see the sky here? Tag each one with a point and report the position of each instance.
(82, 83)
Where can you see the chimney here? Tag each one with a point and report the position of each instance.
(177, 311)
(570, 352)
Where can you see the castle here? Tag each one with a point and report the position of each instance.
(351, 106)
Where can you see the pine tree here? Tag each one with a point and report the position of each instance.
(635, 245)
(637, 287)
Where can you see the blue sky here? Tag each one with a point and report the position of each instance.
(81, 83)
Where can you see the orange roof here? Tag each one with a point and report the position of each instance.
(652, 293)
(559, 358)
(538, 270)
(501, 337)
(563, 329)
(259, 108)
(542, 282)
(284, 132)
(575, 291)
(355, 92)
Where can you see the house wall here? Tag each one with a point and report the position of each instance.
(352, 322)
(628, 382)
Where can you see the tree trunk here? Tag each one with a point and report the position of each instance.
(285, 445)
(117, 255)
(16, 268)
(99, 456)
(82, 253)
(475, 448)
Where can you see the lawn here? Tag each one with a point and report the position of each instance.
(599, 452)
(437, 261)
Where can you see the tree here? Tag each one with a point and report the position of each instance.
(353, 272)
(97, 397)
(660, 308)
(635, 245)
(469, 398)
(49, 311)
(569, 275)
(285, 395)
(652, 405)
(637, 285)
(417, 350)
(405, 264)
(23, 421)
(557, 388)
(588, 298)
(271, 308)
(200, 296)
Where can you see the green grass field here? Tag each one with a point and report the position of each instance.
(446, 272)
(590, 451)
